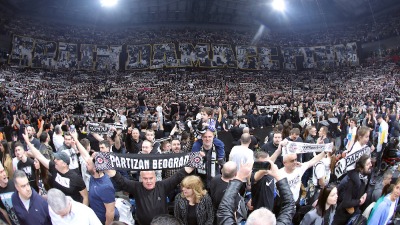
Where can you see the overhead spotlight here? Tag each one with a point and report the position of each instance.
(279, 5)
(108, 3)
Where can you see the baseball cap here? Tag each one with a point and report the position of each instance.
(62, 156)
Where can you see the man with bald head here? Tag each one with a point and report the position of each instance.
(294, 170)
(254, 142)
(150, 195)
(220, 182)
(242, 153)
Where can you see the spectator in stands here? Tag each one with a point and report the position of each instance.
(324, 211)
(45, 148)
(150, 195)
(32, 138)
(58, 139)
(272, 146)
(133, 142)
(263, 184)
(6, 159)
(62, 177)
(101, 189)
(352, 193)
(29, 207)
(227, 208)
(194, 205)
(351, 134)
(7, 188)
(69, 148)
(241, 154)
(377, 192)
(294, 170)
(385, 207)
(220, 182)
(164, 219)
(382, 139)
(64, 210)
(26, 164)
(207, 149)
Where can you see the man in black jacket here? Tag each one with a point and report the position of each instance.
(226, 210)
(149, 194)
(351, 191)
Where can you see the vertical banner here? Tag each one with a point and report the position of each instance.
(138, 57)
(201, 55)
(164, 55)
(246, 57)
(44, 54)
(87, 57)
(289, 58)
(308, 54)
(187, 54)
(115, 51)
(102, 57)
(22, 48)
(67, 56)
(320, 56)
(340, 51)
(351, 52)
(223, 56)
(330, 56)
(265, 59)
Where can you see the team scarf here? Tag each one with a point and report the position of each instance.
(139, 162)
(300, 148)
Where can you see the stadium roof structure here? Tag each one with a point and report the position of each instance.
(224, 12)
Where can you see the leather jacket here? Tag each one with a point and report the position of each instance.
(227, 208)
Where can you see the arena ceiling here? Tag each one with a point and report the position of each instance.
(227, 12)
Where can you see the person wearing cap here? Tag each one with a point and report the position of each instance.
(62, 178)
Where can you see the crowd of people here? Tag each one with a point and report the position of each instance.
(48, 149)
(51, 141)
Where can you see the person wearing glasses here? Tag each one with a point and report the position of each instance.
(324, 211)
(294, 170)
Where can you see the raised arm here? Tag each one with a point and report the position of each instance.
(84, 153)
(36, 153)
(40, 129)
(278, 151)
(316, 159)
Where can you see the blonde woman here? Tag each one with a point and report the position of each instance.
(193, 205)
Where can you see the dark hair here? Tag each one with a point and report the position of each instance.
(388, 188)
(105, 143)
(5, 146)
(322, 199)
(43, 136)
(165, 219)
(46, 126)
(360, 164)
(18, 144)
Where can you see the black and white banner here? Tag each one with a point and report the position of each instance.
(103, 128)
(37, 53)
(299, 148)
(349, 160)
(138, 162)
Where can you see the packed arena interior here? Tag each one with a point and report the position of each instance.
(188, 112)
